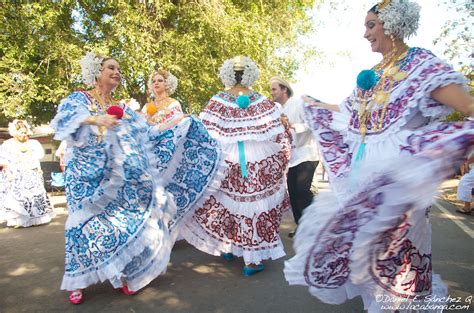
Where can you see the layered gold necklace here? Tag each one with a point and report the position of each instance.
(375, 93)
(104, 102)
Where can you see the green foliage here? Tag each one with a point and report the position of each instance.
(456, 36)
(36, 46)
(41, 44)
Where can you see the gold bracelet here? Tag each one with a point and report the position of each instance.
(91, 120)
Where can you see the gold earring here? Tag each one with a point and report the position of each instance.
(392, 38)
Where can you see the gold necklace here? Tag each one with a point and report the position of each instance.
(103, 103)
(390, 74)
(158, 106)
(161, 99)
(161, 104)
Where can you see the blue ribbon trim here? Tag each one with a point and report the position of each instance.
(243, 163)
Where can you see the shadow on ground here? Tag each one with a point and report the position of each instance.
(31, 268)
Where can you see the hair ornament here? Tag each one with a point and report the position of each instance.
(400, 17)
(91, 65)
(239, 63)
(382, 5)
(171, 82)
(15, 127)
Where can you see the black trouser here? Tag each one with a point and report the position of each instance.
(299, 186)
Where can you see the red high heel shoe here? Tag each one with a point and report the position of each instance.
(127, 291)
(75, 297)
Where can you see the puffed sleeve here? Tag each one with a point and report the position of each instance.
(430, 74)
(72, 111)
(346, 105)
(175, 108)
(173, 112)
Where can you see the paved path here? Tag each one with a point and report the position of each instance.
(31, 267)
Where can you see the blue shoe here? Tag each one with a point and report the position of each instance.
(249, 271)
(227, 256)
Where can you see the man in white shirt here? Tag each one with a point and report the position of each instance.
(304, 153)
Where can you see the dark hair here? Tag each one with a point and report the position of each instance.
(374, 10)
(238, 76)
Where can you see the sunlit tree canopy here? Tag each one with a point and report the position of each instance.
(42, 42)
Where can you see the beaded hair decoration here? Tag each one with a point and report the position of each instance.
(171, 82)
(382, 5)
(400, 17)
(239, 63)
(90, 65)
(16, 126)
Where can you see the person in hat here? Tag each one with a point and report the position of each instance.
(304, 153)
(241, 215)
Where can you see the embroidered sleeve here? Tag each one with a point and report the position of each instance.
(173, 111)
(168, 115)
(434, 74)
(347, 105)
(72, 111)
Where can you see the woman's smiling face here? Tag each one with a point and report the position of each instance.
(110, 73)
(374, 33)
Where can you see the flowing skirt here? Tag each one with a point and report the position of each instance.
(242, 215)
(375, 239)
(23, 198)
(123, 200)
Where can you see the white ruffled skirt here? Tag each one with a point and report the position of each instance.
(23, 199)
(374, 240)
(124, 199)
(241, 215)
